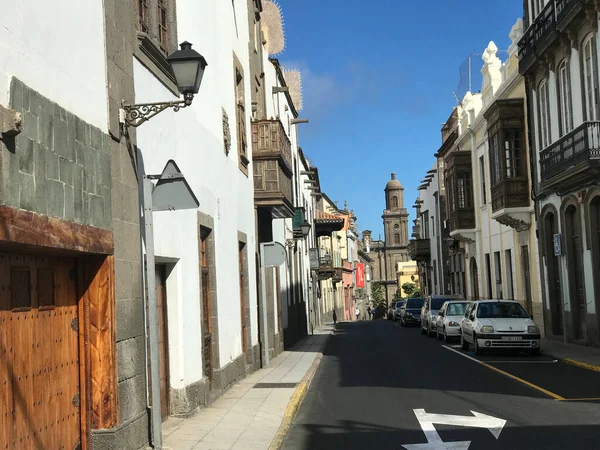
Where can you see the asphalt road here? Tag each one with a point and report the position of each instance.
(375, 377)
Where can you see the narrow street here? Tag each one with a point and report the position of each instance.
(374, 375)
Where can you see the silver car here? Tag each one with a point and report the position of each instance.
(449, 319)
(430, 310)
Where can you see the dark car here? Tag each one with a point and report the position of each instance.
(411, 312)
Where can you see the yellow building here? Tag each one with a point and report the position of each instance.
(407, 272)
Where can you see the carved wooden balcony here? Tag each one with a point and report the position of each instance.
(573, 160)
(272, 161)
(420, 250)
(325, 267)
(511, 193)
(459, 193)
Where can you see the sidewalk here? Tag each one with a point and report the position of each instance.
(249, 414)
(578, 355)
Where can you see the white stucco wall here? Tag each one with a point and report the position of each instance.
(56, 48)
(428, 199)
(193, 137)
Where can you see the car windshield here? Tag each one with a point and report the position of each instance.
(456, 309)
(414, 303)
(436, 303)
(399, 305)
(502, 310)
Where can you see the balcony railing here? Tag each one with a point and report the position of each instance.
(538, 37)
(337, 275)
(510, 193)
(566, 10)
(580, 147)
(461, 219)
(420, 249)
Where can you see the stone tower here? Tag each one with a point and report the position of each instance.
(395, 226)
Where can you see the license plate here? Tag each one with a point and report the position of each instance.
(512, 338)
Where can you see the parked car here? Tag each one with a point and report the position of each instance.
(449, 319)
(430, 310)
(410, 313)
(499, 324)
(397, 308)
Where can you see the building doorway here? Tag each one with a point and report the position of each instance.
(474, 279)
(39, 341)
(552, 270)
(163, 338)
(575, 269)
(595, 246)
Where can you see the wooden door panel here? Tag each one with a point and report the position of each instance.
(39, 371)
(163, 341)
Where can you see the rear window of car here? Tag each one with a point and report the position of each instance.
(436, 303)
(414, 303)
(456, 309)
(502, 310)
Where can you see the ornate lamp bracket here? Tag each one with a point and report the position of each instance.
(135, 115)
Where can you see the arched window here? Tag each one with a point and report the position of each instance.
(564, 89)
(397, 238)
(543, 115)
(590, 78)
(394, 202)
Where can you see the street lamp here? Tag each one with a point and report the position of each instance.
(188, 67)
(305, 228)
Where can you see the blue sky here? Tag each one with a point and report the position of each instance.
(378, 81)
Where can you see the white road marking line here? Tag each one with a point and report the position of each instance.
(452, 348)
(523, 362)
(462, 354)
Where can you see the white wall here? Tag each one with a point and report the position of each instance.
(193, 137)
(427, 196)
(56, 48)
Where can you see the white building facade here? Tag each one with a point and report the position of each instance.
(561, 69)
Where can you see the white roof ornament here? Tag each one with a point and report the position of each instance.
(293, 79)
(272, 23)
(489, 55)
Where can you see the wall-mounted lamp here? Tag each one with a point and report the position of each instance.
(280, 89)
(296, 121)
(188, 67)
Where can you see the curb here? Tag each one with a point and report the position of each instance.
(296, 400)
(580, 364)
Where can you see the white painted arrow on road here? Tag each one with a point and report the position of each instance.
(434, 441)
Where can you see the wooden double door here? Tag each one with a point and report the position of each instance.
(39, 353)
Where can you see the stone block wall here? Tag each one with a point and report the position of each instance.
(59, 165)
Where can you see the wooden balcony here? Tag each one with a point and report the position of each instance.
(420, 250)
(272, 161)
(511, 193)
(461, 220)
(573, 160)
(338, 275)
(459, 191)
(540, 35)
(325, 267)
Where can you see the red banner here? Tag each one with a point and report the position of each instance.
(360, 276)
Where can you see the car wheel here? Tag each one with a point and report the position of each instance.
(438, 336)
(429, 332)
(478, 350)
(463, 343)
(445, 335)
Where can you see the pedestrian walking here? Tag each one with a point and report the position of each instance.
(357, 312)
(334, 317)
(369, 312)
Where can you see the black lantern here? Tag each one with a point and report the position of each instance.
(305, 228)
(188, 67)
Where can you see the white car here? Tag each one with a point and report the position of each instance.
(499, 324)
(449, 319)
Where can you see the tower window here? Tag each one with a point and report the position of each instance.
(396, 238)
(394, 202)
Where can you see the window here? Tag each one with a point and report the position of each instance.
(465, 198)
(397, 238)
(495, 159)
(564, 89)
(513, 142)
(482, 179)
(240, 115)
(163, 27)
(590, 78)
(394, 202)
(142, 10)
(543, 115)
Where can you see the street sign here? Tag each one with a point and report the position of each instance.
(434, 441)
(557, 238)
(273, 254)
(172, 192)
